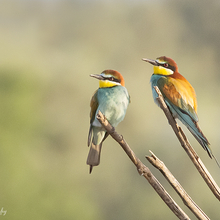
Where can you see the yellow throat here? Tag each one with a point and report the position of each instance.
(162, 71)
(107, 84)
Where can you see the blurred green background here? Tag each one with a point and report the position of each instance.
(48, 49)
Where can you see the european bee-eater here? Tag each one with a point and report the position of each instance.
(179, 96)
(112, 100)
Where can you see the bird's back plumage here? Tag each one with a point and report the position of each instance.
(181, 100)
(179, 96)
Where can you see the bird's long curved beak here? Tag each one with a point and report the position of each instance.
(153, 62)
(99, 77)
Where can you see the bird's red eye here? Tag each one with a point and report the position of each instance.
(165, 65)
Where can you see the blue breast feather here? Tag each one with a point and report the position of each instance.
(113, 103)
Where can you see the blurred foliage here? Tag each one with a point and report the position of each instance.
(48, 50)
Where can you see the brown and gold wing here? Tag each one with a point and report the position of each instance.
(180, 94)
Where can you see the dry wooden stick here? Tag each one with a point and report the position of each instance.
(143, 170)
(188, 148)
(177, 187)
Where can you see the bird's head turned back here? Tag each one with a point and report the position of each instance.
(163, 65)
(109, 78)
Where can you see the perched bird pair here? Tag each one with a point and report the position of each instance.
(112, 100)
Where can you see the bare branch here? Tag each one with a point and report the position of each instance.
(188, 148)
(177, 187)
(143, 170)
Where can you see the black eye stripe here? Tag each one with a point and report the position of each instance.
(112, 79)
(168, 66)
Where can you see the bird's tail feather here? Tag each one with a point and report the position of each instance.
(204, 143)
(197, 133)
(216, 161)
(194, 128)
(95, 140)
(93, 158)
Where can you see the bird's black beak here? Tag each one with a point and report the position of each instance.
(153, 62)
(99, 77)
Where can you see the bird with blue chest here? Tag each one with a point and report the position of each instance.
(112, 99)
(179, 95)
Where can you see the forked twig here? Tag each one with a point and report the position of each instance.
(177, 187)
(143, 170)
